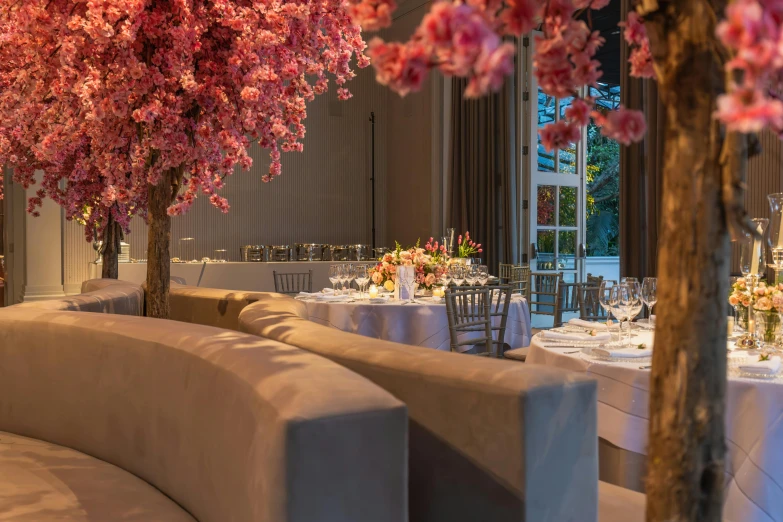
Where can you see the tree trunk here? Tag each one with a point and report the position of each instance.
(158, 241)
(112, 237)
(688, 383)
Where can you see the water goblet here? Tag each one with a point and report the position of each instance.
(334, 276)
(649, 295)
(457, 272)
(472, 275)
(605, 298)
(483, 274)
(362, 277)
(445, 278)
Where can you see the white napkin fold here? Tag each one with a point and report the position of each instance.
(623, 353)
(770, 367)
(590, 325)
(575, 336)
(325, 291)
(332, 298)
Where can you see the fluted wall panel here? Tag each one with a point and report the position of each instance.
(765, 176)
(323, 195)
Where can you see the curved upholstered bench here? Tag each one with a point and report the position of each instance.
(107, 296)
(137, 419)
(489, 439)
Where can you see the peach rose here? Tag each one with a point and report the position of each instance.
(429, 280)
(377, 278)
(733, 300)
(764, 303)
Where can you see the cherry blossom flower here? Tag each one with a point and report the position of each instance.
(105, 96)
(624, 125)
(559, 135)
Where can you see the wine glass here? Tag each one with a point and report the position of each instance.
(446, 278)
(457, 272)
(483, 274)
(362, 277)
(472, 275)
(618, 301)
(334, 276)
(635, 303)
(350, 275)
(649, 296)
(605, 297)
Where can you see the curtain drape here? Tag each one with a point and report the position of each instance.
(641, 175)
(480, 170)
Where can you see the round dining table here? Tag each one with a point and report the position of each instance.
(754, 423)
(420, 323)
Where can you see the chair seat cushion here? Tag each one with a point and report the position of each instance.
(616, 504)
(42, 482)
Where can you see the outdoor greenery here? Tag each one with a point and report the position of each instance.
(603, 194)
(603, 203)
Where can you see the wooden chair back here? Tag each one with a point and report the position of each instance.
(568, 299)
(293, 283)
(468, 310)
(544, 293)
(590, 308)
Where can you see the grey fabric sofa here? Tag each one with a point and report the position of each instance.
(107, 296)
(116, 418)
(490, 440)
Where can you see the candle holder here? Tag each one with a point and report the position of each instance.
(775, 237)
(749, 340)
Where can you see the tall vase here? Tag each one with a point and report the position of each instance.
(767, 326)
(776, 234)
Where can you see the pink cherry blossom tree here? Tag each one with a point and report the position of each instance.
(720, 81)
(135, 107)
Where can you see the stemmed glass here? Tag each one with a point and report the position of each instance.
(619, 301)
(483, 274)
(446, 278)
(457, 274)
(350, 275)
(649, 296)
(472, 275)
(362, 277)
(636, 304)
(605, 298)
(334, 276)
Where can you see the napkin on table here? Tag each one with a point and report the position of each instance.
(546, 334)
(333, 298)
(770, 367)
(623, 353)
(590, 325)
(325, 291)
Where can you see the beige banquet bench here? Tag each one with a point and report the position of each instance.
(109, 418)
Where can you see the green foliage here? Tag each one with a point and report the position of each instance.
(603, 194)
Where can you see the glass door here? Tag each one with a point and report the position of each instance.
(556, 193)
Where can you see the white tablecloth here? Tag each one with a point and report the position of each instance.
(754, 426)
(418, 324)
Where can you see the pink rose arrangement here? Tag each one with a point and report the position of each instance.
(467, 247)
(763, 298)
(430, 264)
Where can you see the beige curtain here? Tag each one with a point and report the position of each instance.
(479, 171)
(641, 176)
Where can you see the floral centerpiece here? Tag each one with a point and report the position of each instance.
(766, 300)
(430, 264)
(466, 247)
